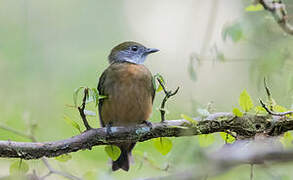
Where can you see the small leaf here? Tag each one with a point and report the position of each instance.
(18, 168)
(75, 94)
(253, 8)
(206, 140)
(227, 137)
(245, 101)
(163, 145)
(72, 123)
(278, 108)
(160, 88)
(63, 157)
(234, 31)
(96, 96)
(287, 140)
(102, 97)
(189, 119)
(113, 151)
(161, 79)
(237, 112)
(260, 109)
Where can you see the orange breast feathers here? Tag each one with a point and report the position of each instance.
(130, 94)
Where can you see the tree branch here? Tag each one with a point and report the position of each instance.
(44, 160)
(256, 152)
(245, 127)
(278, 10)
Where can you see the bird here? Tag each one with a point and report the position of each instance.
(128, 86)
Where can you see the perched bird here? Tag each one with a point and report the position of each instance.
(127, 83)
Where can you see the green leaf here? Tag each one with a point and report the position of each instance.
(102, 97)
(227, 137)
(287, 140)
(18, 167)
(245, 101)
(260, 109)
(96, 96)
(237, 112)
(160, 88)
(72, 123)
(113, 151)
(234, 31)
(278, 108)
(163, 145)
(75, 95)
(63, 157)
(253, 8)
(160, 77)
(206, 140)
(189, 119)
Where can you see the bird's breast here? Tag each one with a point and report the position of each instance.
(129, 90)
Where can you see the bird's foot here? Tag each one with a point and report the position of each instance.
(149, 124)
(108, 129)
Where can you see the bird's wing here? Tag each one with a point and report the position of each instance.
(101, 90)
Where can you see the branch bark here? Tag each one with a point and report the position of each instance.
(256, 152)
(245, 127)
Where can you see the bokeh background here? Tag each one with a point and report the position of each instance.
(49, 48)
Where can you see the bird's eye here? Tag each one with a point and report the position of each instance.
(134, 48)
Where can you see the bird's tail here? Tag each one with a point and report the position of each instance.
(123, 161)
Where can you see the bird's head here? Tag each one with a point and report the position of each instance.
(129, 51)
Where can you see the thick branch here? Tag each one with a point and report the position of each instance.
(245, 127)
(240, 152)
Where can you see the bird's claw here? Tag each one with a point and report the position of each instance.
(108, 129)
(149, 124)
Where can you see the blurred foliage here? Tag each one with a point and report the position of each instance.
(49, 48)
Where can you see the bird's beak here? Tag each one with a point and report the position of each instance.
(151, 50)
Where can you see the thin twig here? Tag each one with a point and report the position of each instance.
(168, 94)
(251, 171)
(14, 131)
(82, 108)
(60, 173)
(269, 94)
(274, 113)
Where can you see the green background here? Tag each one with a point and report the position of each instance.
(49, 48)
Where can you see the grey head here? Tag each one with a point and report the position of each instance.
(131, 52)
